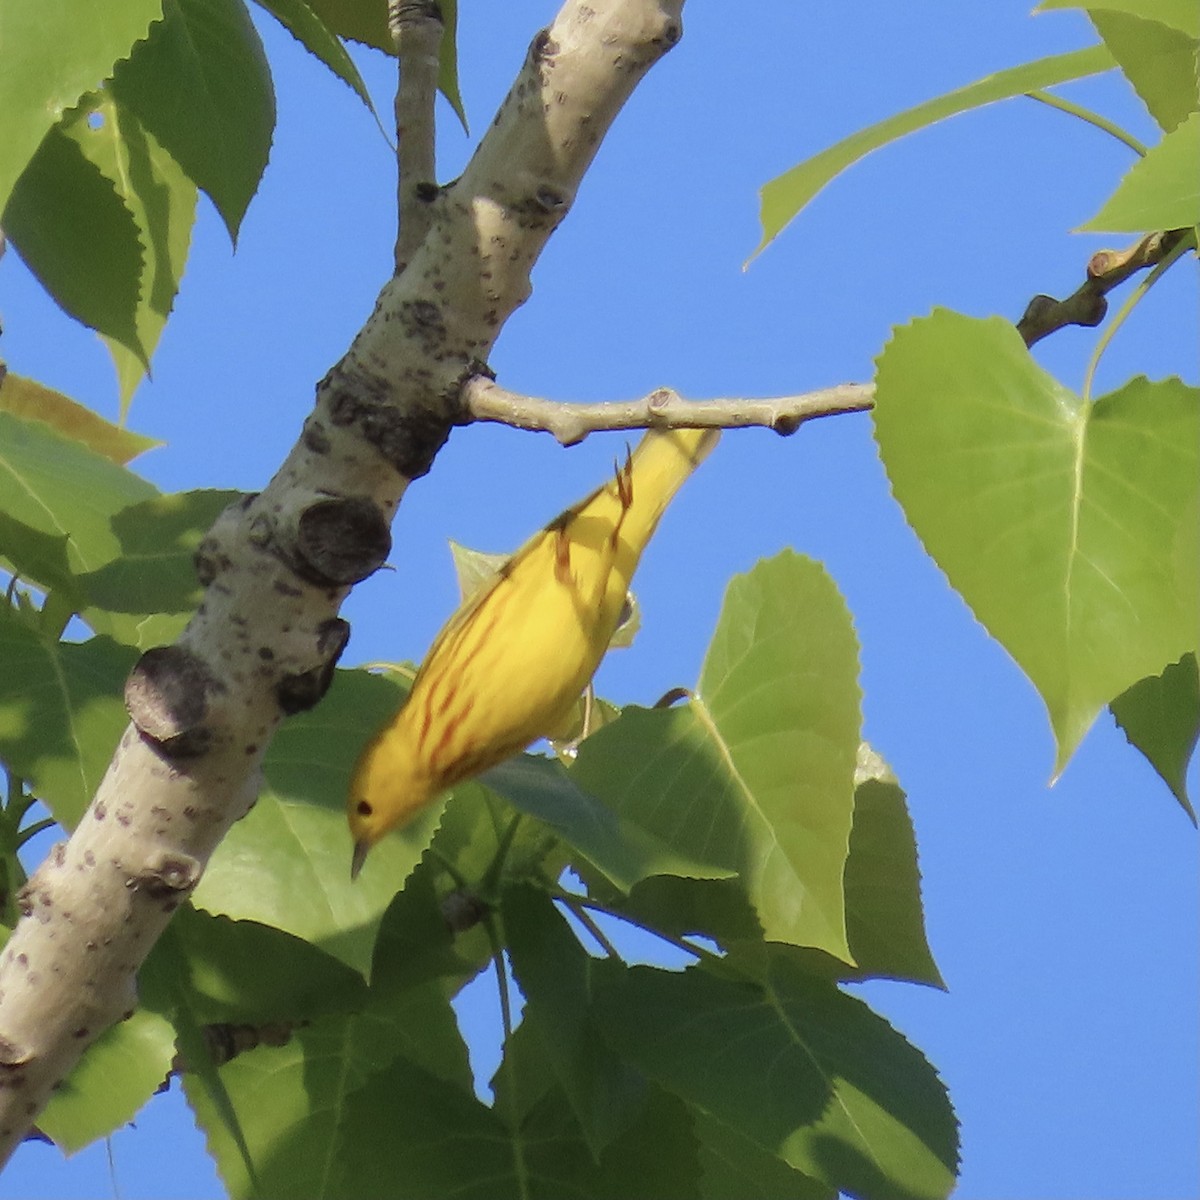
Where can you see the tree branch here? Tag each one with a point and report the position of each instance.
(570, 423)
(1087, 305)
(277, 566)
(416, 29)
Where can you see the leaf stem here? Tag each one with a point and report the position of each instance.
(582, 915)
(508, 1058)
(571, 899)
(496, 869)
(1134, 297)
(1090, 118)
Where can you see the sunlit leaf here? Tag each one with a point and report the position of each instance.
(117, 1074)
(1175, 14)
(32, 400)
(54, 52)
(162, 201)
(1160, 191)
(1069, 528)
(58, 486)
(1159, 62)
(754, 775)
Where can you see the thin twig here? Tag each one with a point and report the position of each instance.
(485, 400)
(1130, 304)
(416, 29)
(1106, 269)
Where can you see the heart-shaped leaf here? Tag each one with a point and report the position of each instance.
(1070, 528)
(756, 774)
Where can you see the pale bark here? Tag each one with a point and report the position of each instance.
(277, 566)
(571, 422)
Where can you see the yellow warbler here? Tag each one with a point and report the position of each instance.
(510, 664)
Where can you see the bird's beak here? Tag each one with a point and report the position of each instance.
(360, 856)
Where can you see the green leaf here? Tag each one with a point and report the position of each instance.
(311, 31)
(61, 712)
(1160, 191)
(162, 201)
(271, 1127)
(58, 486)
(479, 830)
(154, 575)
(241, 972)
(276, 1109)
(756, 774)
(408, 1135)
(1160, 64)
(1175, 14)
(34, 401)
(1069, 528)
(618, 845)
(117, 1074)
(76, 236)
(366, 21)
(884, 918)
(418, 965)
(1160, 715)
(40, 559)
(448, 60)
(53, 52)
(359, 20)
(737, 1168)
(287, 862)
(802, 1070)
(201, 86)
(554, 972)
(785, 196)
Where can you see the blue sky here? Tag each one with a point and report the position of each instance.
(1064, 919)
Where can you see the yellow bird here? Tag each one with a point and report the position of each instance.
(509, 666)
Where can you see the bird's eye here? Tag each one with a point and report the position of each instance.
(364, 808)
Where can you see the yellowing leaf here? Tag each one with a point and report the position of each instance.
(28, 398)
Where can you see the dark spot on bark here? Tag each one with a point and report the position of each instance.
(315, 437)
(341, 541)
(297, 693)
